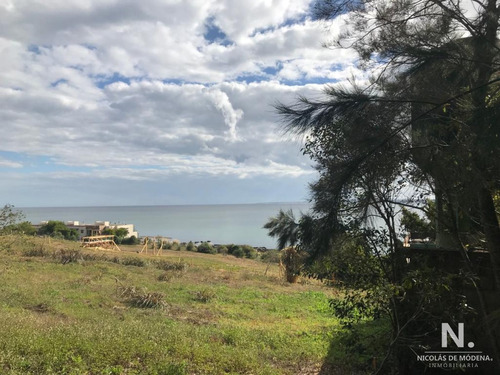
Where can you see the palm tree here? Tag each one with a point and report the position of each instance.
(285, 228)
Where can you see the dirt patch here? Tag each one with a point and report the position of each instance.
(41, 308)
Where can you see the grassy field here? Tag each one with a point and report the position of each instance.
(64, 312)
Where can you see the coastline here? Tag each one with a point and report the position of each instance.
(224, 224)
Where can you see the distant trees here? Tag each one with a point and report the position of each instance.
(239, 251)
(132, 240)
(222, 249)
(236, 251)
(242, 251)
(24, 227)
(249, 251)
(418, 227)
(271, 256)
(58, 229)
(206, 248)
(119, 233)
(10, 222)
(9, 216)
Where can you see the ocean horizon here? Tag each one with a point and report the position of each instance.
(218, 223)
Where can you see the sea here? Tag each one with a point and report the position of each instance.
(220, 224)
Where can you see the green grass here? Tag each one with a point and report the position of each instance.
(219, 314)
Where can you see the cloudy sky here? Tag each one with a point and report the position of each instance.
(126, 102)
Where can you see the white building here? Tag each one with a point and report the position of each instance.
(96, 229)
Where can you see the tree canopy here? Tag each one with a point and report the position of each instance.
(55, 228)
(426, 125)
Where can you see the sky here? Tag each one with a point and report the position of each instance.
(157, 102)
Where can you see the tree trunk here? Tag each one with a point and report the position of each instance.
(491, 229)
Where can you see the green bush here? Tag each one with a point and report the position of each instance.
(175, 246)
(238, 252)
(362, 342)
(132, 240)
(249, 251)
(222, 250)
(20, 228)
(58, 229)
(190, 246)
(271, 256)
(231, 248)
(206, 248)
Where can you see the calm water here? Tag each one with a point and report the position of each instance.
(234, 223)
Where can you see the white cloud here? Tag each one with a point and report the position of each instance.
(231, 116)
(10, 163)
(134, 90)
(145, 123)
(239, 20)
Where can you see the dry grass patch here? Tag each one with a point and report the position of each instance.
(142, 298)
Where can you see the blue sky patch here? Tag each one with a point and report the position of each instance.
(105, 80)
(58, 82)
(33, 48)
(214, 34)
(286, 23)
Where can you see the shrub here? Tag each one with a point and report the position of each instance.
(250, 252)
(142, 299)
(204, 295)
(190, 246)
(9, 216)
(125, 291)
(222, 250)
(20, 228)
(36, 252)
(133, 261)
(165, 265)
(175, 246)
(206, 248)
(58, 229)
(238, 252)
(68, 256)
(271, 256)
(132, 240)
(89, 257)
(231, 248)
(293, 262)
(166, 276)
(151, 300)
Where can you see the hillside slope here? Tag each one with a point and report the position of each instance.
(64, 311)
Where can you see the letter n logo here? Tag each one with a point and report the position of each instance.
(447, 331)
